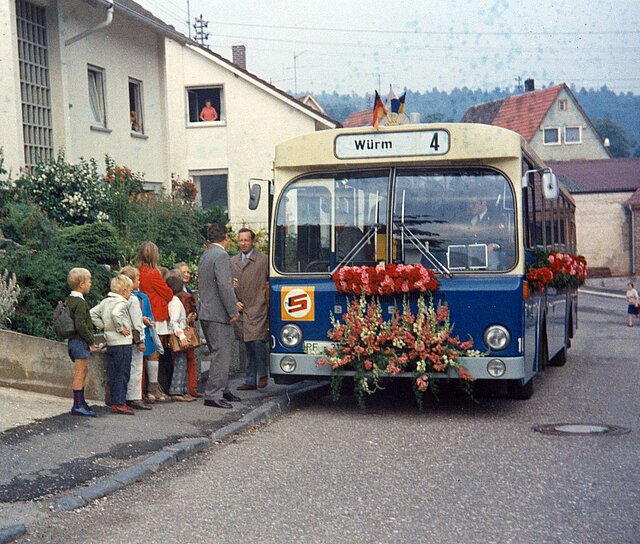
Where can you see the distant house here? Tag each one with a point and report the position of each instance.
(607, 196)
(550, 120)
(96, 77)
(359, 119)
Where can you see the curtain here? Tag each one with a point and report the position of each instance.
(96, 98)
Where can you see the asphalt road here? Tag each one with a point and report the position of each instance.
(459, 472)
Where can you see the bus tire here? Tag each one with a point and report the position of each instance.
(517, 389)
(560, 358)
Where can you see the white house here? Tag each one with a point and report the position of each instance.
(92, 78)
(221, 155)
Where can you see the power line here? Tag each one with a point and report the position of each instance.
(435, 32)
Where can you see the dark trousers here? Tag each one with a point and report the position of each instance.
(118, 370)
(256, 361)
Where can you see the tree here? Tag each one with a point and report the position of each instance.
(620, 146)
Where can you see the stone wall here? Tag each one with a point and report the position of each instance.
(603, 226)
(41, 365)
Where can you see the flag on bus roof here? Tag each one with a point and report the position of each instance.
(379, 110)
(401, 102)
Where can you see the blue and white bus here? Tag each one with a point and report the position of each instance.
(471, 202)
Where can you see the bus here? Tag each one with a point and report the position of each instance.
(471, 202)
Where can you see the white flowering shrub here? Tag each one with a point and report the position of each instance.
(9, 291)
(70, 194)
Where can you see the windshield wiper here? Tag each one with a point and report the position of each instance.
(371, 233)
(422, 248)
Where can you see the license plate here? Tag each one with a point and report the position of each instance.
(316, 348)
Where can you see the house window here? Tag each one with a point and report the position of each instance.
(551, 136)
(97, 104)
(35, 91)
(563, 105)
(573, 135)
(212, 189)
(205, 104)
(136, 116)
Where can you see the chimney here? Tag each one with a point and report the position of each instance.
(529, 85)
(239, 55)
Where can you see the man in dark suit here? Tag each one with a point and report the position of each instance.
(218, 312)
(250, 277)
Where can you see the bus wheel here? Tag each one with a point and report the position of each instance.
(560, 358)
(519, 390)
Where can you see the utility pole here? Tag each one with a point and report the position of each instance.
(201, 36)
(189, 18)
(519, 86)
(295, 71)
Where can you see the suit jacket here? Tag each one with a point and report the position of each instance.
(252, 275)
(215, 286)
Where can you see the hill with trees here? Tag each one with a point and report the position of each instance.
(617, 113)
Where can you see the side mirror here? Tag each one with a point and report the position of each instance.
(254, 196)
(550, 188)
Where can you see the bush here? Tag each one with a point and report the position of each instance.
(70, 194)
(26, 224)
(9, 291)
(42, 276)
(87, 245)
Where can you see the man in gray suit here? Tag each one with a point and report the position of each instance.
(218, 312)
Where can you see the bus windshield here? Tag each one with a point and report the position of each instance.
(462, 218)
(450, 220)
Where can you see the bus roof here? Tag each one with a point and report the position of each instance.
(401, 144)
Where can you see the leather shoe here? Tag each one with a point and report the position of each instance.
(138, 405)
(262, 382)
(83, 410)
(218, 403)
(246, 387)
(230, 397)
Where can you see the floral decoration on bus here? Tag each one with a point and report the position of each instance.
(384, 279)
(421, 344)
(560, 270)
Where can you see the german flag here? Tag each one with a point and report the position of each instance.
(379, 110)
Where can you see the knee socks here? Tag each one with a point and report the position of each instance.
(152, 371)
(78, 398)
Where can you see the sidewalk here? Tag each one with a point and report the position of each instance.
(53, 460)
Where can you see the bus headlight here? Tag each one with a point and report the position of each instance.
(290, 335)
(288, 364)
(497, 337)
(496, 368)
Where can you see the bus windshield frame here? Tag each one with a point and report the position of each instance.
(451, 219)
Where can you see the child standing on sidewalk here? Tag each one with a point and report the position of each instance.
(177, 322)
(112, 316)
(82, 343)
(134, 387)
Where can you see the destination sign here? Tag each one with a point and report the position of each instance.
(392, 144)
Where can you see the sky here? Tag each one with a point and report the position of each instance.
(362, 45)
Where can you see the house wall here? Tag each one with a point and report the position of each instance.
(591, 146)
(10, 105)
(253, 121)
(603, 225)
(124, 49)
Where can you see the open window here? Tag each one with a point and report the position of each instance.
(205, 104)
(136, 115)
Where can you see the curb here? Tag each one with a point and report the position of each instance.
(11, 533)
(171, 455)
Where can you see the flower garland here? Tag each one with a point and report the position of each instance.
(559, 270)
(420, 343)
(384, 279)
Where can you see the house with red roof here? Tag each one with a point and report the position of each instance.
(550, 120)
(607, 196)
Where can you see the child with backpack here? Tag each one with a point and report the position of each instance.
(81, 342)
(112, 316)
